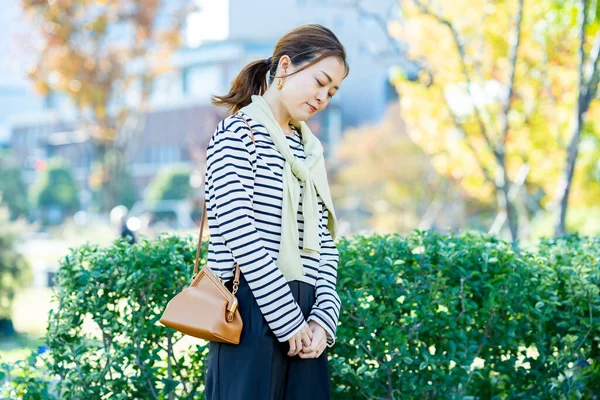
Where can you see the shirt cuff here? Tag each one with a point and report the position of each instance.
(291, 333)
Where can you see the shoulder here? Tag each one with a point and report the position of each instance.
(232, 124)
(232, 129)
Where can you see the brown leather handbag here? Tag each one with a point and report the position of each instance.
(206, 309)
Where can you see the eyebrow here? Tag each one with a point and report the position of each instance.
(330, 80)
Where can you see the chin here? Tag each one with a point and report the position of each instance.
(301, 116)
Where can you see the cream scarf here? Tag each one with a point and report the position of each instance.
(310, 171)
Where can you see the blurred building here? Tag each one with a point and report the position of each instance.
(220, 40)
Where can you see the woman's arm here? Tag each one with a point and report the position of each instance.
(230, 185)
(326, 310)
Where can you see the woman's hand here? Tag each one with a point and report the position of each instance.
(318, 344)
(304, 336)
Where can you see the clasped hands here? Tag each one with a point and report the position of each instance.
(309, 342)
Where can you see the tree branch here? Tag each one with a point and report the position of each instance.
(486, 172)
(462, 53)
(564, 185)
(591, 87)
(512, 56)
(381, 21)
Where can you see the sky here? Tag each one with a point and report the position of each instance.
(211, 23)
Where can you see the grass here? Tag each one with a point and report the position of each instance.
(30, 316)
(18, 347)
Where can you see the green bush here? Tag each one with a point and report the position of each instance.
(571, 304)
(15, 271)
(13, 192)
(55, 190)
(171, 183)
(26, 379)
(433, 316)
(424, 316)
(112, 192)
(105, 338)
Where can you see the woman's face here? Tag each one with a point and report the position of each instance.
(309, 91)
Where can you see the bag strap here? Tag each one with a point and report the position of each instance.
(236, 279)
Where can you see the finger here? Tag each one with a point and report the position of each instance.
(322, 350)
(310, 353)
(306, 355)
(317, 348)
(306, 348)
(309, 332)
(298, 345)
(315, 345)
(292, 347)
(306, 340)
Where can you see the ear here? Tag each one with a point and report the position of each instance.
(285, 62)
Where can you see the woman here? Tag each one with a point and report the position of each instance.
(270, 211)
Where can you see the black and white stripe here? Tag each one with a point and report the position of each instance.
(244, 192)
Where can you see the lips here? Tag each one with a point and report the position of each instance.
(312, 109)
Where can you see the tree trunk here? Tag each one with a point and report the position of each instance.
(6, 328)
(567, 177)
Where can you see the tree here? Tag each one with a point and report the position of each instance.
(54, 193)
(12, 189)
(14, 270)
(97, 51)
(125, 189)
(494, 100)
(171, 183)
(588, 80)
(384, 177)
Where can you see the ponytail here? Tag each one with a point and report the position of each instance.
(251, 80)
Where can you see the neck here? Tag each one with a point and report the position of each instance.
(281, 115)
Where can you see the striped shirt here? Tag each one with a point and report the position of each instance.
(244, 192)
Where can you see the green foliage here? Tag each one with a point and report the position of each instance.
(12, 190)
(423, 316)
(127, 193)
(171, 183)
(114, 192)
(571, 303)
(433, 316)
(26, 379)
(105, 336)
(55, 187)
(14, 269)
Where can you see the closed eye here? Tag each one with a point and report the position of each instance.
(321, 85)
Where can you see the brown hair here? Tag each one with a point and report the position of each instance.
(304, 45)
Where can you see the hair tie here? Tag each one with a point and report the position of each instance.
(269, 62)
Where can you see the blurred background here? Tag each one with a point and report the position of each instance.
(457, 114)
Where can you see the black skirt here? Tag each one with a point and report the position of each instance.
(258, 368)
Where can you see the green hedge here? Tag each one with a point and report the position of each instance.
(424, 316)
(419, 310)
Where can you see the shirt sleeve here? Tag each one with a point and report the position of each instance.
(326, 310)
(230, 169)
